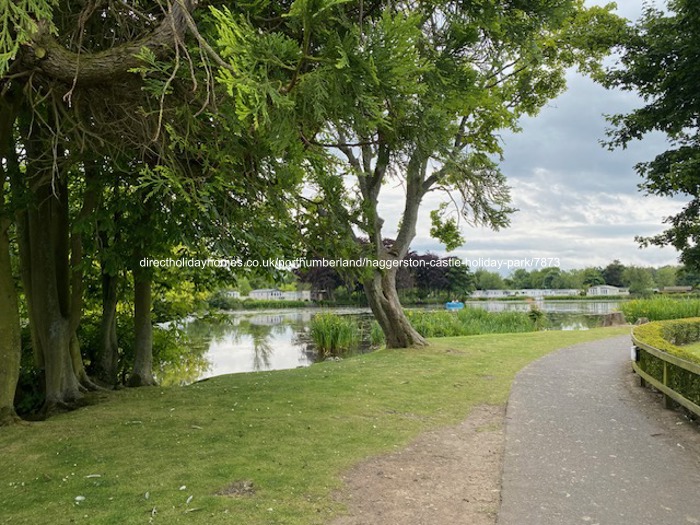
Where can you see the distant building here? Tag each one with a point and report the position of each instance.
(603, 290)
(676, 289)
(535, 293)
(273, 294)
(302, 295)
(233, 294)
(266, 294)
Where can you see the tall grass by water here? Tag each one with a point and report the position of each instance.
(660, 308)
(334, 334)
(472, 321)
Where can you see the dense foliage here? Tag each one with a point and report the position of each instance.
(660, 61)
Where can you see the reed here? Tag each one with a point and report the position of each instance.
(471, 321)
(333, 334)
(660, 308)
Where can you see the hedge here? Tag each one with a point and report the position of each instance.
(668, 336)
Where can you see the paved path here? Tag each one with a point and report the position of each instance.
(585, 445)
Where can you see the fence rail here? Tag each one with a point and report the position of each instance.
(669, 394)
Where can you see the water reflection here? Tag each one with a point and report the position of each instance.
(274, 340)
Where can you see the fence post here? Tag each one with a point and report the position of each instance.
(668, 401)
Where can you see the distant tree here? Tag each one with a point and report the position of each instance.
(660, 60)
(551, 277)
(461, 280)
(521, 279)
(572, 279)
(612, 273)
(243, 285)
(430, 276)
(485, 280)
(322, 279)
(639, 280)
(687, 276)
(593, 277)
(664, 276)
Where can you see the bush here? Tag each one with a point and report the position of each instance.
(333, 334)
(170, 346)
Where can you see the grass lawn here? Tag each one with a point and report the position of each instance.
(160, 455)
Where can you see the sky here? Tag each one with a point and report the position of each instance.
(578, 202)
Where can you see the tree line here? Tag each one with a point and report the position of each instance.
(637, 279)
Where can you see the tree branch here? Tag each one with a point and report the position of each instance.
(47, 55)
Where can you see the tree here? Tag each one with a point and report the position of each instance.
(461, 281)
(686, 276)
(521, 279)
(486, 280)
(664, 276)
(593, 277)
(613, 272)
(660, 61)
(639, 280)
(10, 343)
(419, 93)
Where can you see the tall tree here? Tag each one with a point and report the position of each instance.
(419, 94)
(613, 273)
(660, 61)
(10, 349)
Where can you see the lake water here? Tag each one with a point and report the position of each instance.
(279, 339)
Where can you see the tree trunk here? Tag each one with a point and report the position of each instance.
(384, 302)
(10, 338)
(381, 287)
(49, 289)
(10, 341)
(52, 329)
(142, 374)
(108, 357)
(90, 201)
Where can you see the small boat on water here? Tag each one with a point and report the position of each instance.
(454, 305)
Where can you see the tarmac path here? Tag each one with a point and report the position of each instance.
(586, 445)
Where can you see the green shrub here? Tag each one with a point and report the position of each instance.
(334, 334)
(661, 308)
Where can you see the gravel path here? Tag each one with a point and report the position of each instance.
(586, 445)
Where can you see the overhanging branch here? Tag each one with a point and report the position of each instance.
(47, 55)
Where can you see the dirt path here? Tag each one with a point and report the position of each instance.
(450, 476)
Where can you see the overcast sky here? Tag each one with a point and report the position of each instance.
(577, 201)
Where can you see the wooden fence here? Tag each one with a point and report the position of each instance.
(670, 395)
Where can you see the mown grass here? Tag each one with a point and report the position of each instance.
(660, 308)
(291, 433)
(470, 321)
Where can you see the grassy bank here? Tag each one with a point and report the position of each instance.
(162, 455)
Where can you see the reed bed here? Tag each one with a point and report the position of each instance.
(660, 308)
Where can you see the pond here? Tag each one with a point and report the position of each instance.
(249, 341)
